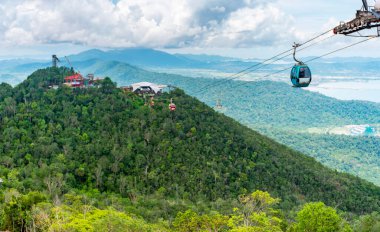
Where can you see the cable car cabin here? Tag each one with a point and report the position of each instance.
(151, 101)
(300, 75)
(172, 107)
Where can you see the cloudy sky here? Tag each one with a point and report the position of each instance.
(241, 28)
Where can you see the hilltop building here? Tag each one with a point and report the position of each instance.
(75, 80)
(146, 88)
(78, 81)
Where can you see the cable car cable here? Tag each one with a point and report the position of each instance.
(340, 49)
(316, 37)
(313, 59)
(231, 77)
(242, 72)
(261, 66)
(316, 42)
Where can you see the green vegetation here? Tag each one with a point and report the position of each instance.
(368, 223)
(280, 112)
(88, 159)
(352, 154)
(318, 217)
(285, 114)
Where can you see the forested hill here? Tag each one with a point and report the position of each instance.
(105, 139)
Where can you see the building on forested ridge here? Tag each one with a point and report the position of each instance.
(78, 81)
(147, 88)
(75, 80)
(127, 89)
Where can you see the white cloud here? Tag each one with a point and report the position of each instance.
(263, 25)
(219, 9)
(149, 23)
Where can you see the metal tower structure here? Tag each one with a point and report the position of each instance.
(55, 61)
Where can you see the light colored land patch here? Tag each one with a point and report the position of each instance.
(349, 130)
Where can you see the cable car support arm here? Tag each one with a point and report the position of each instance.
(366, 18)
(295, 46)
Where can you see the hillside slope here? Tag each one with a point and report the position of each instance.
(108, 140)
(278, 111)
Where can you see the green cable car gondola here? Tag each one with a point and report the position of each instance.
(300, 74)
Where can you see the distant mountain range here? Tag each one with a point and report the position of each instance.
(138, 57)
(154, 59)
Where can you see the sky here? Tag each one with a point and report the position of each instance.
(237, 28)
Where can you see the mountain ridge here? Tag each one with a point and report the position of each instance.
(137, 56)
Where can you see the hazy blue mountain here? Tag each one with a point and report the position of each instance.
(207, 58)
(112, 68)
(350, 59)
(8, 64)
(14, 71)
(137, 56)
(149, 58)
(144, 57)
(25, 68)
(346, 68)
(10, 79)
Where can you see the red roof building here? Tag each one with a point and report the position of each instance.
(75, 80)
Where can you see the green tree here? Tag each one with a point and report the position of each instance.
(317, 217)
(368, 223)
(190, 221)
(18, 210)
(107, 86)
(187, 222)
(256, 213)
(68, 219)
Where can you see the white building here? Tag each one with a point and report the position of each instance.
(147, 87)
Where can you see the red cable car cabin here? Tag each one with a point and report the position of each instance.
(172, 107)
(152, 101)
